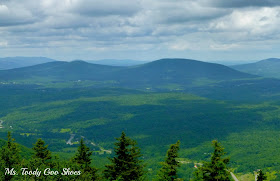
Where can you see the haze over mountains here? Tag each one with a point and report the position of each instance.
(267, 68)
(114, 62)
(17, 62)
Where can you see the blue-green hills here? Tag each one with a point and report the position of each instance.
(160, 74)
(18, 62)
(267, 68)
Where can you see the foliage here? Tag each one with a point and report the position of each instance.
(126, 164)
(41, 151)
(216, 168)
(261, 176)
(169, 168)
(83, 159)
(10, 158)
(248, 131)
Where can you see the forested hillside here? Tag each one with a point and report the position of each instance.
(267, 68)
(157, 104)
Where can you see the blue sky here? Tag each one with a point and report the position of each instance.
(207, 30)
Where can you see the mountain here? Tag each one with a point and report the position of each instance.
(232, 62)
(117, 62)
(267, 68)
(182, 72)
(17, 62)
(158, 74)
(60, 71)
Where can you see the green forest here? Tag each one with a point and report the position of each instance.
(239, 110)
(127, 163)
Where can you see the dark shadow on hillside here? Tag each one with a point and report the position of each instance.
(193, 122)
(254, 90)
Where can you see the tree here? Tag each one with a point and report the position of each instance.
(168, 171)
(125, 165)
(83, 160)
(261, 176)
(216, 169)
(41, 159)
(41, 151)
(9, 156)
(82, 157)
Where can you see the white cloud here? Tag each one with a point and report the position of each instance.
(263, 21)
(223, 46)
(143, 25)
(12, 16)
(3, 43)
(240, 3)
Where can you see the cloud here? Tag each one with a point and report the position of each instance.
(123, 26)
(105, 8)
(186, 11)
(259, 23)
(3, 43)
(223, 46)
(241, 3)
(13, 16)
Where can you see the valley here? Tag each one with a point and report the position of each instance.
(156, 104)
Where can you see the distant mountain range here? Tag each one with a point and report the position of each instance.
(177, 73)
(267, 68)
(201, 78)
(60, 71)
(114, 62)
(17, 62)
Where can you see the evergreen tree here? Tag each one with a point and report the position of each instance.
(83, 160)
(168, 171)
(125, 165)
(41, 159)
(261, 176)
(82, 157)
(10, 157)
(41, 151)
(216, 169)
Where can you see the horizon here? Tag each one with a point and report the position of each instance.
(227, 63)
(211, 30)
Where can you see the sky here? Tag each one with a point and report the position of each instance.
(208, 30)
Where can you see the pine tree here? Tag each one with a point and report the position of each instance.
(83, 155)
(9, 156)
(41, 151)
(168, 171)
(83, 160)
(125, 165)
(261, 176)
(216, 169)
(41, 159)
